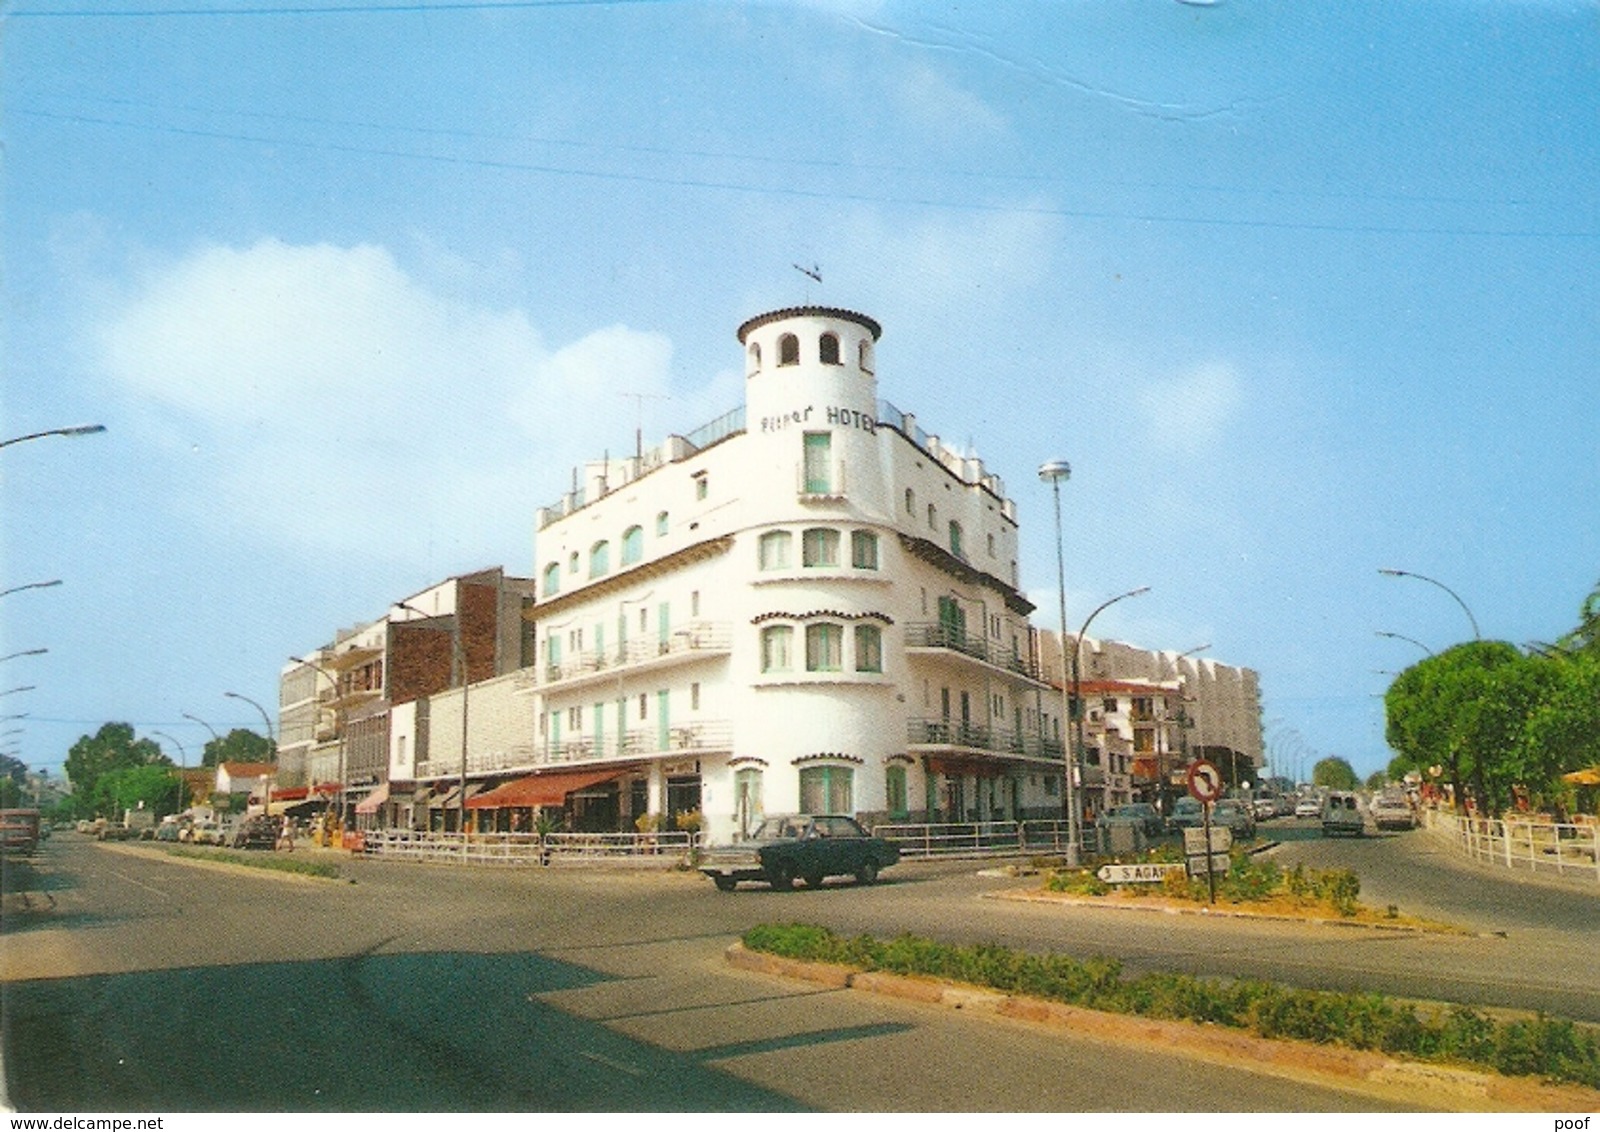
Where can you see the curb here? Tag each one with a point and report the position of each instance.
(1033, 896)
(1416, 1085)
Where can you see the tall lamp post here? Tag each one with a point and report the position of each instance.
(1408, 640)
(458, 670)
(1053, 473)
(71, 430)
(1077, 681)
(264, 718)
(31, 586)
(28, 652)
(1435, 582)
(338, 718)
(183, 764)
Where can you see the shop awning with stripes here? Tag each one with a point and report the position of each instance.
(539, 790)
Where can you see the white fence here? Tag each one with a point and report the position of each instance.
(1537, 846)
(634, 850)
(978, 839)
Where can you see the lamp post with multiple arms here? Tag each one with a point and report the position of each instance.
(338, 722)
(1053, 473)
(1077, 686)
(458, 665)
(1435, 582)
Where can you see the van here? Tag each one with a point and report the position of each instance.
(1341, 813)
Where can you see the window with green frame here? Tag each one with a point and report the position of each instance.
(819, 546)
(632, 545)
(863, 550)
(869, 648)
(774, 550)
(599, 559)
(818, 463)
(552, 579)
(897, 800)
(777, 643)
(827, 789)
(824, 647)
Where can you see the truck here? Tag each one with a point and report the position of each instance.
(19, 831)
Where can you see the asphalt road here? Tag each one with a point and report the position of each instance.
(156, 985)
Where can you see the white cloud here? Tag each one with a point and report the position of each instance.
(926, 96)
(341, 406)
(1191, 411)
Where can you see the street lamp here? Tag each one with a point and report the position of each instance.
(339, 723)
(23, 688)
(1435, 582)
(70, 430)
(264, 718)
(183, 764)
(1408, 640)
(214, 735)
(1053, 473)
(31, 586)
(458, 663)
(1077, 688)
(29, 652)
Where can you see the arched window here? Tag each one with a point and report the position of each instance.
(933, 518)
(774, 550)
(552, 579)
(955, 540)
(828, 349)
(895, 794)
(869, 648)
(788, 350)
(632, 545)
(661, 525)
(755, 357)
(599, 559)
(572, 563)
(863, 550)
(777, 648)
(911, 502)
(827, 789)
(824, 647)
(819, 546)
(865, 355)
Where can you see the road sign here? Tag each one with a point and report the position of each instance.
(1220, 863)
(1194, 840)
(1205, 781)
(1136, 874)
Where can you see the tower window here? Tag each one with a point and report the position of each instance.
(774, 550)
(866, 355)
(788, 350)
(818, 463)
(819, 546)
(828, 348)
(755, 357)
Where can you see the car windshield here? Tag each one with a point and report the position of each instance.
(774, 829)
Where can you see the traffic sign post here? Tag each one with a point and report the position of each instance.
(1205, 784)
(1135, 874)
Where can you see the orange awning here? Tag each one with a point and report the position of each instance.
(1589, 776)
(539, 790)
(370, 804)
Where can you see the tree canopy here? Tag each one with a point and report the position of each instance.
(1335, 773)
(240, 745)
(113, 748)
(1491, 719)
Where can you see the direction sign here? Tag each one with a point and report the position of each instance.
(1220, 863)
(1194, 840)
(1205, 781)
(1136, 874)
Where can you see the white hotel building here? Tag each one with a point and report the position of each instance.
(810, 604)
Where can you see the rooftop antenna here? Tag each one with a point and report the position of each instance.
(638, 410)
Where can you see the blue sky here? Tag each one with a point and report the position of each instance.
(1300, 290)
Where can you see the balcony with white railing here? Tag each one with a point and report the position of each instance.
(702, 640)
(701, 737)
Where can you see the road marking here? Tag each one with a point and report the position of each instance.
(140, 884)
(632, 1071)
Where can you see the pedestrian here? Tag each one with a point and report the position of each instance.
(286, 836)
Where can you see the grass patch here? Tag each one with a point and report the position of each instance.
(1249, 880)
(300, 866)
(1552, 1048)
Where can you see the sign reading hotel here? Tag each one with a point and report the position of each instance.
(833, 415)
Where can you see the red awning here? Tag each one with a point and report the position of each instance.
(291, 794)
(370, 804)
(539, 790)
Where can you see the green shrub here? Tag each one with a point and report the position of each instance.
(1339, 887)
(1554, 1048)
(1077, 880)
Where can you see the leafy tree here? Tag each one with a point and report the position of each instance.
(153, 787)
(14, 769)
(10, 794)
(1377, 780)
(111, 748)
(240, 745)
(1335, 773)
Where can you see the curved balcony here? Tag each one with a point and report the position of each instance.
(948, 734)
(938, 637)
(701, 737)
(702, 640)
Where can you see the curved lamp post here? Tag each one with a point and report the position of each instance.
(29, 652)
(458, 664)
(1408, 640)
(339, 722)
(22, 688)
(1435, 582)
(1077, 696)
(1054, 472)
(70, 430)
(31, 586)
(183, 764)
(264, 717)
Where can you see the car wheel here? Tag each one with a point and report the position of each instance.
(724, 884)
(813, 880)
(868, 872)
(781, 877)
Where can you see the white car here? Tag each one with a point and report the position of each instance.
(205, 833)
(1307, 808)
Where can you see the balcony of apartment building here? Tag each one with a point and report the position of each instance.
(701, 640)
(931, 735)
(701, 737)
(940, 638)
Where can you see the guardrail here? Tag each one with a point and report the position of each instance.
(1537, 846)
(634, 850)
(978, 839)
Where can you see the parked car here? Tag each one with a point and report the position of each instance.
(1142, 814)
(1264, 808)
(1393, 811)
(811, 847)
(167, 831)
(1187, 813)
(204, 832)
(1341, 813)
(1307, 807)
(1237, 815)
(257, 833)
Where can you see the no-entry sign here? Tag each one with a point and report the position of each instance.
(1205, 781)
